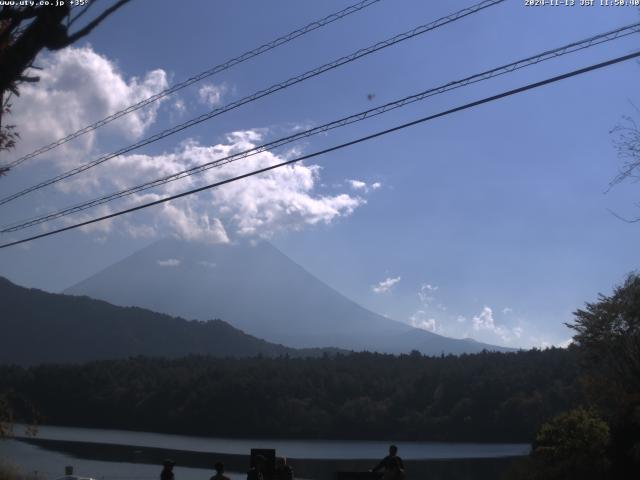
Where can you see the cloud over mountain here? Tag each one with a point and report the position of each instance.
(79, 86)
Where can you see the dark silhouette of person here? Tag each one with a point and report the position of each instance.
(392, 465)
(283, 470)
(256, 472)
(219, 466)
(167, 470)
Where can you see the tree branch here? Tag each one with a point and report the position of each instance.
(85, 9)
(95, 22)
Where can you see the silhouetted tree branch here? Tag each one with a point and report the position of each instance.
(627, 143)
(24, 32)
(94, 23)
(46, 28)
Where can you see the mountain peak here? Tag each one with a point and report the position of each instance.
(257, 288)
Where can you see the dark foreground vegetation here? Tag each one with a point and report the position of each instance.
(601, 438)
(485, 397)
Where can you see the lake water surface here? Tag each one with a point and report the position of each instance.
(321, 449)
(43, 464)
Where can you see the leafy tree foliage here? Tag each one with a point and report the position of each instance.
(572, 446)
(609, 333)
(608, 336)
(6, 417)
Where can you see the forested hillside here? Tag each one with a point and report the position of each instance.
(40, 327)
(481, 397)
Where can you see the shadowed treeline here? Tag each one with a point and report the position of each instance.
(489, 397)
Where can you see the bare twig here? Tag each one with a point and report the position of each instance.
(95, 22)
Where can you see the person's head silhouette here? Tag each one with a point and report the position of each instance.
(167, 470)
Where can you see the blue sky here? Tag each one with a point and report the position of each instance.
(491, 223)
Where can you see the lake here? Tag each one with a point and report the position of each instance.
(46, 465)
(117, 455)
(325, 449)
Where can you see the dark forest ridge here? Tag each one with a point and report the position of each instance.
(487, 397)
(41, 327)
(258, 289)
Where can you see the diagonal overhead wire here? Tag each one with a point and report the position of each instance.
(381, 133)
(196, 78)
(485, 75)
(262, 93)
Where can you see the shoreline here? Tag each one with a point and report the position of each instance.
(239, 444)
(310, 468)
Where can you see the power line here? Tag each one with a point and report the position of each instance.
(466, 106)
(262, 93)
(200, 76)
(488, 74)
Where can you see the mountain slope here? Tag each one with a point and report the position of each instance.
(259, 290)
(40, 327)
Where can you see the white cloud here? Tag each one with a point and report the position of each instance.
(421, 320)
(484, 321)
(169, 262)
(207, 263)
(211, 95)
(565, 343)
(77, 87)
(426, 294)
(280, 199)
(192, 225)
(430, 314)
(544, 344)
(507, 310)
(103, 227)
(359, 185)
(139, 230)
(179, 106)
(385, 285)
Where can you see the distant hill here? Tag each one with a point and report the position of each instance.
(40, 327)
(258, 289)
